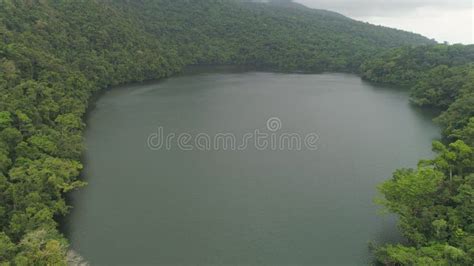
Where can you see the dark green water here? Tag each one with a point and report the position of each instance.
(246, 207)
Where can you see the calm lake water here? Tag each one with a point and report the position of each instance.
(243, 207)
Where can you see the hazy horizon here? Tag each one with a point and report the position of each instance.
(442, 20)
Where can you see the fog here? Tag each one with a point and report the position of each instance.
(443, 20)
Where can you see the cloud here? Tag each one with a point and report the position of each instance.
(383, 8)
(443, 20)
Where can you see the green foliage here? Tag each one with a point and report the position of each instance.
(442, 85)
(433, 255)
(7, 248)
(41, 247)
(5, 120)
(54, 55)
(435, 202)
(439, 76)
(456, 118)
(436, 209)
(408, 194)
(466, 133)
(407, 65)
(139, 40)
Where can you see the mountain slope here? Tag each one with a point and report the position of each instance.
(278, 36)
(55, 54)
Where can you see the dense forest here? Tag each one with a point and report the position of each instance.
(54, 55)
(435, 202)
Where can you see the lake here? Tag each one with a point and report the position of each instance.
(203, 200)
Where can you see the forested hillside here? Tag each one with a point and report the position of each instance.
(55, 54)
(435, 202)
(285, 37)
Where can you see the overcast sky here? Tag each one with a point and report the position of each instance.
(443, 20)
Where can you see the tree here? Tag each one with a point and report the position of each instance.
(5, 120)
(41, 247)
(7, 248)
(435, 204)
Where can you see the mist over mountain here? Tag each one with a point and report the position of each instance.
(444, 20)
